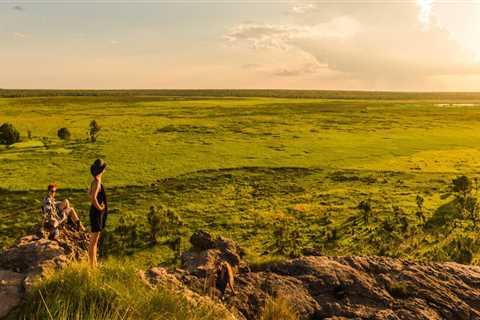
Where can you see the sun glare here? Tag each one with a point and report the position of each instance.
(425, 11)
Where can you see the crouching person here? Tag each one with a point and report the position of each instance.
(57, 212)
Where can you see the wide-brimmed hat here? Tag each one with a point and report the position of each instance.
(97, 167)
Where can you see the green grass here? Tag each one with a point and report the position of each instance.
(112, 292)
(278, 308)
(239, 166)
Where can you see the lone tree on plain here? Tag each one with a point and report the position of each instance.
(419, 200)
(94, 130)
(366, 208)
(8, 134)
(64, 133)
(154, 220)
(462, 187)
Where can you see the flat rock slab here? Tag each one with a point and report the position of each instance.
(11, 291)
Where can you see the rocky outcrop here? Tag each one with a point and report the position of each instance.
(335, 287)
(317, 287)
(31, 258)
(161, 276)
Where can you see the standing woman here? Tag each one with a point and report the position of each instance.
(98, 209)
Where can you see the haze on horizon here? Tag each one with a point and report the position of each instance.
(396, 45)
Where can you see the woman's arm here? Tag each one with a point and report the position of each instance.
(94, 189)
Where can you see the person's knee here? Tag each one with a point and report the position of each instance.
(66, 203)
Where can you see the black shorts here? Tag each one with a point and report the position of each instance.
(97, 219)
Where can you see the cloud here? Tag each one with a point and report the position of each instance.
(18, 8)
(280, 36)
(295, 71)
(19, 35)
(301, 8)
(382, 46)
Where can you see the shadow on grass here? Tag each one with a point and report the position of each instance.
(443, 216)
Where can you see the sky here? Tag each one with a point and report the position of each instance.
(394, 45)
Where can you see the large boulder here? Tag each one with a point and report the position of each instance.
(11, 291)
(207, 251)
(33, 257)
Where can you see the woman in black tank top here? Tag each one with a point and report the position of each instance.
(98, 208)
(99, 217)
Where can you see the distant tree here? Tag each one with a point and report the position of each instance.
(29, 134)
(154, 220)
(366, 209)
(133, 235)
(419, 200)
(462, 188)
(471, 207)
(172, 222)
(64, 133)
(397, 212)
(163, 221)
(94, 130)
(176, 245)
(8, 134)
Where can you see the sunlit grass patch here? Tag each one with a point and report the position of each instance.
(114, 291)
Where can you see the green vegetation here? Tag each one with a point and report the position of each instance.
(112, 292)
(278, 308)
(94, 130)
(370, 173)
(64, 133)
(8, 134)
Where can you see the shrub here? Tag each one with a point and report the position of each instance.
(126, 231)
(397, 289)
(64, 133)
(278, 308)
(8, 134)
(287, 238)
(94, 130)
(154, 220)
(462, 185)
(366, 209)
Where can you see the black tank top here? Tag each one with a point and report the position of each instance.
(101, 198)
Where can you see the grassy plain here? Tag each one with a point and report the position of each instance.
(246, 167)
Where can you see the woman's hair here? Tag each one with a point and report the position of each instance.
(51, 186)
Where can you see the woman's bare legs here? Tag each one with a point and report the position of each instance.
(92, 249)
(70, 211)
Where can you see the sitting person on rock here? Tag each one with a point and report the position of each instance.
(57, 212)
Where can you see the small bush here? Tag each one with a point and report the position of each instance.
(154, 221)
(8, 134)
(64, 133)
(94, 130)
(397, 290)
(278, 308)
